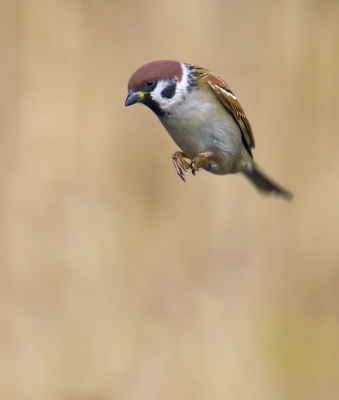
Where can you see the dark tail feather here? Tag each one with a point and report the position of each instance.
(262, 182)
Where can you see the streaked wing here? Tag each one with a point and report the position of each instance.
(229, 100)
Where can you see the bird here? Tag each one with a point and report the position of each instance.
(204, 118)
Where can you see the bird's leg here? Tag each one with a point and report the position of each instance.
(201, 160)
(180, 164)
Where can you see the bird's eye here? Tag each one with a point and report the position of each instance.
(150, 85)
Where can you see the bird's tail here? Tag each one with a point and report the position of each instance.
(262, 182)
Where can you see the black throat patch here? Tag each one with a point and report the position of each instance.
(153, 105)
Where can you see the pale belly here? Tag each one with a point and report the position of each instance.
(200, 133)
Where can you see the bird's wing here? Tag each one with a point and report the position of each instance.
(229, 100)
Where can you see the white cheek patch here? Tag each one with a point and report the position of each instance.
(166, 104)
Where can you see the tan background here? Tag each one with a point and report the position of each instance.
(119, 281)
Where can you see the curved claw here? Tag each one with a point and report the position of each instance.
(193, 168)
(201, 160)
(180, 164)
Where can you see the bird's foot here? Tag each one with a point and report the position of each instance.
(180, 164)
(201, 160)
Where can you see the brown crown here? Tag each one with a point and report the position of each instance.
(154, 71)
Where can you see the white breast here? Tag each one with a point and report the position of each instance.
(202, 123)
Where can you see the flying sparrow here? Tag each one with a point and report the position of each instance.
(203, 117)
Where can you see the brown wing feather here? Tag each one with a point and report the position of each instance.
(228, 99)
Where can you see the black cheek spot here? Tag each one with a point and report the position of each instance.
(169, 91)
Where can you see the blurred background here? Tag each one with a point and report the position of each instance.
(119, 281)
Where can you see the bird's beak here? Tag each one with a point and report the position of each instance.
(134, 97)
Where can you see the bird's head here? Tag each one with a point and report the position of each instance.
(160, 85)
